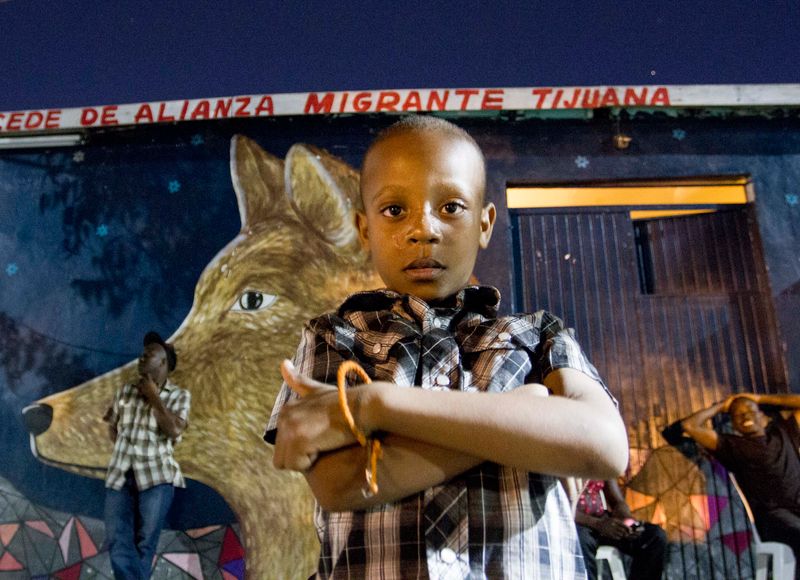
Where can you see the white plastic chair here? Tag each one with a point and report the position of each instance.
(613, 558)
(781, 555)
(609, 554)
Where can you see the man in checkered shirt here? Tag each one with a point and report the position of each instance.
(145, 421)
(473, 443)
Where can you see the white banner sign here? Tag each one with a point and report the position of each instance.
(400, 101)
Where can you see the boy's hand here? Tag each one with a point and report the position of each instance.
(300, 384)
(310, 425)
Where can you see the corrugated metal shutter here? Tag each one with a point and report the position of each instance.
(674, 312)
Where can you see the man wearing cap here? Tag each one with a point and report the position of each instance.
(145, 421)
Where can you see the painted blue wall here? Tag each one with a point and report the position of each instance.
(100, 243)
(763, 147)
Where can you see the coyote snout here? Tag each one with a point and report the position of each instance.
(296, 256)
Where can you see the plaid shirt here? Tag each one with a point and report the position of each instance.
(489, 522)
(141, 445)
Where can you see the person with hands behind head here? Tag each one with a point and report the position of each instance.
(763, 455)
(613, 524)
(477, 415)
(145, 421)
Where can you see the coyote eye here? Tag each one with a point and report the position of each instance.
(252, 300)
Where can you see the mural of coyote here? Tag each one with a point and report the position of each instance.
(296, 256)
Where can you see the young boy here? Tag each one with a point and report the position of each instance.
(472, 444)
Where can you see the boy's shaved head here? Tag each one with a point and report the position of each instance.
(423, 124)
(425, 217)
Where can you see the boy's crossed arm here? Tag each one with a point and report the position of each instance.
(313, 438)
(435, 435)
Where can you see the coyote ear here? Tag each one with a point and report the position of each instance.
(257, 180)
(323, 190)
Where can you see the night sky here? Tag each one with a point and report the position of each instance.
(69, 53)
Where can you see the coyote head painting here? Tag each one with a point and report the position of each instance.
(297, 255)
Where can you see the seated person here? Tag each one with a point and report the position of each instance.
(763, 455)
(614, 526)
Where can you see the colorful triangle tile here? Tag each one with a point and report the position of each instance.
(659, 515)
(186, 561)
(71, 573)
(716, 503)
(738, 542)
(7, 532)
(700, 505)
(63, 541)
(200, 532)
(88, 547)
(228, 576)
(235, 568)
(8, 563)
(638, 457)
(40, 526)
(637, 500)
(231, 548)
(691, 533)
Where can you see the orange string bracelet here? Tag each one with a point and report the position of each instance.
(373, 445)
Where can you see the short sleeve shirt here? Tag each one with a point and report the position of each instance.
(141, 445)
(767, 468)
(489, 522)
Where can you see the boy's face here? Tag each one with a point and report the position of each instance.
(424, 218)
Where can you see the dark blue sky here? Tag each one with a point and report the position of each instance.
(69, 53)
